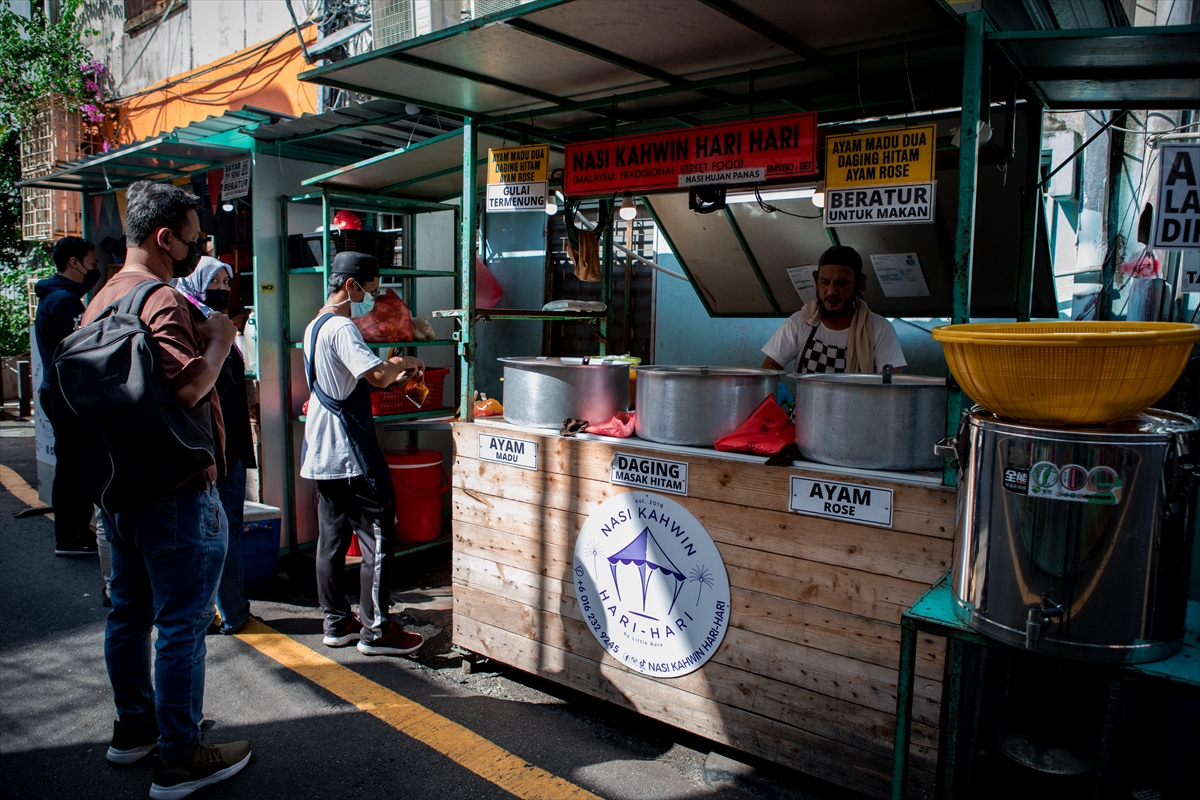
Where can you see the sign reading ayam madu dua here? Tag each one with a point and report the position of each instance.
(516, 179)
(880, 177)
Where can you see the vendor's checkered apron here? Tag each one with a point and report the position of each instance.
(816, 356)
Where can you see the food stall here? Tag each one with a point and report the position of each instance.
(757, 606)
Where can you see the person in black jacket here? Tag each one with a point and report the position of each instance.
(208, 287)
(60, 307)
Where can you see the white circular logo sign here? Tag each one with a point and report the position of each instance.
(651, 584)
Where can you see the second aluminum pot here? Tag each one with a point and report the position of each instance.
(858, 420)
(695, 406)
(541, 392)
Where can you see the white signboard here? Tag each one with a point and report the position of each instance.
(867, 505)
(513, 452)
(516, 178)
(727, 176)
(900, 275)
(236, 180)
(516, 197)
(1177, 217)
(1189, 273)
(881, 205)
(649, 473)
(651, 584)
(802, 280)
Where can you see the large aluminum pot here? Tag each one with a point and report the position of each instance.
(1075, 542)
(695, 406)
(541, 392)
(858, 420)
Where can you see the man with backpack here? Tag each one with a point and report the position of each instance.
(60, 307)
(162, 511)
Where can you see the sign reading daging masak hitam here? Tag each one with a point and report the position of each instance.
(880, 177)
(729, 153)
(651, 584)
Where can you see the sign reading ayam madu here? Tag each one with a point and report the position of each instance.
(651, 584)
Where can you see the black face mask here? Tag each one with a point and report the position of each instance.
(184, 266)
(217, 299)
(91, 278)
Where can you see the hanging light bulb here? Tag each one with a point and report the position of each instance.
(227, 207)
(628, 209)
(551, 206)
(818, 198)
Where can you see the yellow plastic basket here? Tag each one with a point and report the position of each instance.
(1067, 373)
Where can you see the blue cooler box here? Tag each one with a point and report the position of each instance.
(260, 544)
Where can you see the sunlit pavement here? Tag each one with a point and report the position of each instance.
(491, 733)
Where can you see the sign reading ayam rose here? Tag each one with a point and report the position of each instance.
(880, 177)
(651, 584)
(516, 179)
(728, 153)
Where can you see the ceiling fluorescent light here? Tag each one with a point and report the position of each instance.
(773, 195)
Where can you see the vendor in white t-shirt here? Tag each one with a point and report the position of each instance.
(837, 332)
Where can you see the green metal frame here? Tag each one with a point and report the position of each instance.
(1031, 210)
(758, 273)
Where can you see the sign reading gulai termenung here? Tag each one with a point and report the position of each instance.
(751, 151)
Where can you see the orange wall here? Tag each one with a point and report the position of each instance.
(262, 75)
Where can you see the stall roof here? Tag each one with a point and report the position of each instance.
(346, 135)
(428, 170)
(170, 155)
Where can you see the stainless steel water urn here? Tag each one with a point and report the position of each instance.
(1075, 542)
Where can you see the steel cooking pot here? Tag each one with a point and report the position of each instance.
(541, 392)
(695, 406)
(863, 421)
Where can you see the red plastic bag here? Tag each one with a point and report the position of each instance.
(620, 426)
(487, 288)
(389, 321)
(765, 433)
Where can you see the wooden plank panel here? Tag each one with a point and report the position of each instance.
(833, 631)
(836, 719)
(926, 510)
(743, 730)
(874, 596)
(826, 673)
(922, 559)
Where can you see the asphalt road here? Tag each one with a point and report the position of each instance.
(56, 707)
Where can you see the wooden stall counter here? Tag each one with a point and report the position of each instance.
(806, 672)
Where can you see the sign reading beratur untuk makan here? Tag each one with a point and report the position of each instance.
(651, 584)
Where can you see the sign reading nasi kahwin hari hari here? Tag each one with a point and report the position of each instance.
(751, 151)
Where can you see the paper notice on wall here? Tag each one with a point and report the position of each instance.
(802, 280)
(900, 275)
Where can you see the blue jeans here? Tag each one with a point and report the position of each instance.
(166, 561)
(231, 591)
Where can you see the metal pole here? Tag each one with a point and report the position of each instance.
(904, 700)
(606, 273)
(1031, 208)
(326, 237)
(289, 448)
(1116, 237)
(968, 165)
(628, 305)
(467, 248)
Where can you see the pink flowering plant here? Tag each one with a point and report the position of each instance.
(40, 58)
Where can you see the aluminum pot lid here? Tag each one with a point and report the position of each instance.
(709, 372)
(1152, 423)
(562, 363)
(869, 379)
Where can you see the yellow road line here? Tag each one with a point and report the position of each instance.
(486, 759)
(18, 488)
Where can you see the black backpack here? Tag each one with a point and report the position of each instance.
(118, 427)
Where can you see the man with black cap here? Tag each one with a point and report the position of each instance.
(354, 488)
(837, 332)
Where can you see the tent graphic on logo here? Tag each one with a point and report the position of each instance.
(645, 553)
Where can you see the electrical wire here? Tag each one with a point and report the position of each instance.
(770, 209)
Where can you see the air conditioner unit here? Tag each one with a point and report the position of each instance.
(394, 21)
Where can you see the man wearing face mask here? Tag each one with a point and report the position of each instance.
(167, 555)
(60, 307)
(354, 488)
(837, 332)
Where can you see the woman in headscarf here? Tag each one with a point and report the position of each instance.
(208, 288)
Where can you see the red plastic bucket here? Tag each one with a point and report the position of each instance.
(419, 481)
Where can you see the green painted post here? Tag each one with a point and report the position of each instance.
(289, 460)
(968, 166)
(904, 699)
(326, 238)
(1031, 207)
(606, 274)
(467, 248)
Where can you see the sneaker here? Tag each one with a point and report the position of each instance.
(105, 597)
(209, 764)
(84, 549)
(396, 642)
(132, 743)
(349, 632)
